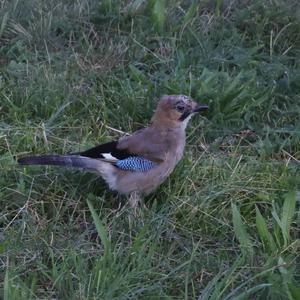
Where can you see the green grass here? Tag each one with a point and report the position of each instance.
(225, 225)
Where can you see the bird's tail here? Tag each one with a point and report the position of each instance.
(106, 170)
(76, 161)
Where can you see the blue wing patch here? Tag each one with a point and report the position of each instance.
(135, 163)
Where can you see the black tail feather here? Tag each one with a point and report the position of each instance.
(76, 161)
(45, 160)
(98, 166)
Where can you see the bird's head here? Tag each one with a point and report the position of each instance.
(176, 110)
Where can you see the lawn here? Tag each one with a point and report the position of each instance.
(225, 225)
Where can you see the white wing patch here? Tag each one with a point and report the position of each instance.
(109, 157)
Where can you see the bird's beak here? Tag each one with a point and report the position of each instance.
(200, 107)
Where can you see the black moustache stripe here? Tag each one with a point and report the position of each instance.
(185, 115)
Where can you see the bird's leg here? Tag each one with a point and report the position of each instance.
(136, 213)
(134, 199)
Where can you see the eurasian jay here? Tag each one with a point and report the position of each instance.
(136, 165)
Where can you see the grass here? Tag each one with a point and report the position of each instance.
(225, 225)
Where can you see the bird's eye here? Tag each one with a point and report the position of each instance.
(180, 107)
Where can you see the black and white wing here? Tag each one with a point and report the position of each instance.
(121, 158)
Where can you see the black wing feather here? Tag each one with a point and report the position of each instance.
(111, 147)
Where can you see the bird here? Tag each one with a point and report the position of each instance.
(137, 164)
